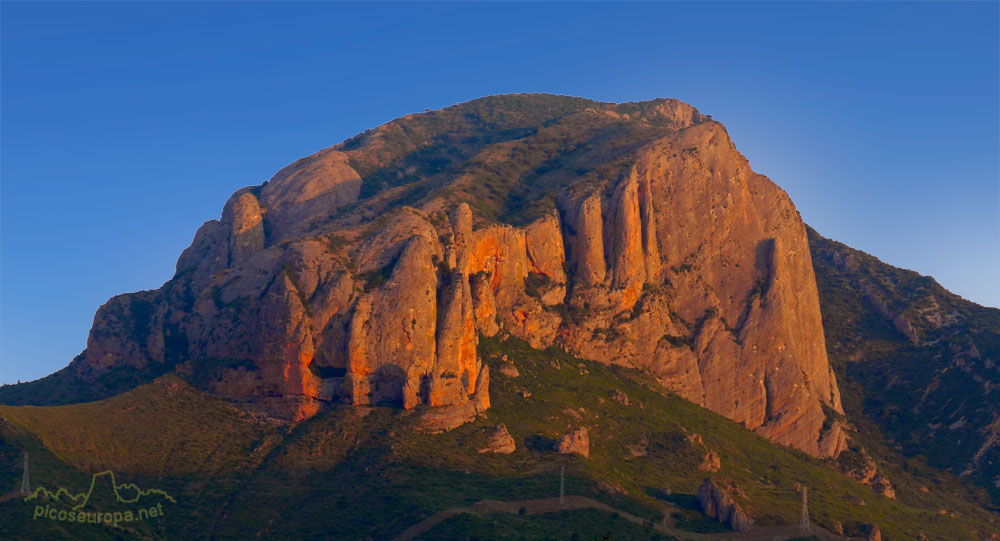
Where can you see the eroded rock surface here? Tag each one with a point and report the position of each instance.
(577, 441)
(633, 234)
(717, 502)
(865, 471)
(500, 442)
(710, 462)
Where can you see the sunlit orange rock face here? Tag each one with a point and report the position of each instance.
(633, 234)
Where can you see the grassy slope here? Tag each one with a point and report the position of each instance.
(358, 472)
(163, 428)
(64, 387)
(15, 516)
(163, 435)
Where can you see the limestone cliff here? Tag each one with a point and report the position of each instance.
(630, 233)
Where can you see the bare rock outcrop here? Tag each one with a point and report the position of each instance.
(577, 441)
(865, 471)
(718, 503)
(365, 274)
(710, 462)
(880, 484)
(446, 418)
(640, 449)
(500, 442)
(508, 369)
(620, 397)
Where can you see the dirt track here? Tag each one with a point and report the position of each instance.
(551, 505)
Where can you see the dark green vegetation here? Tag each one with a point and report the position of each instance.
(357, 472)
(918, 367)
(588, 524)
(510, 154)
(63, 387)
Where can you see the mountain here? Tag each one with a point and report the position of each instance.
(917, 362)
(633, 234)
(446, 310)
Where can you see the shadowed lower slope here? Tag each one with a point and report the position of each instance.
(353, 472)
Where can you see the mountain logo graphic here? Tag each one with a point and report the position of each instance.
(125, 493)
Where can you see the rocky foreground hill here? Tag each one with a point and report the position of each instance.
(632, 234)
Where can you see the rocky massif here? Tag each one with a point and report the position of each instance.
(632, 234)
(918, 362)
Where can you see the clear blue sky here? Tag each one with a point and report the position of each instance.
(127, 125)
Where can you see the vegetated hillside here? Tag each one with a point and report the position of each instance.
(163, 435)
(353, 472)
(917, 361)
(632, 234)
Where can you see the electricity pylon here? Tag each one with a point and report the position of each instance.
(25, 486)
(562, 486)
(804, 521)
